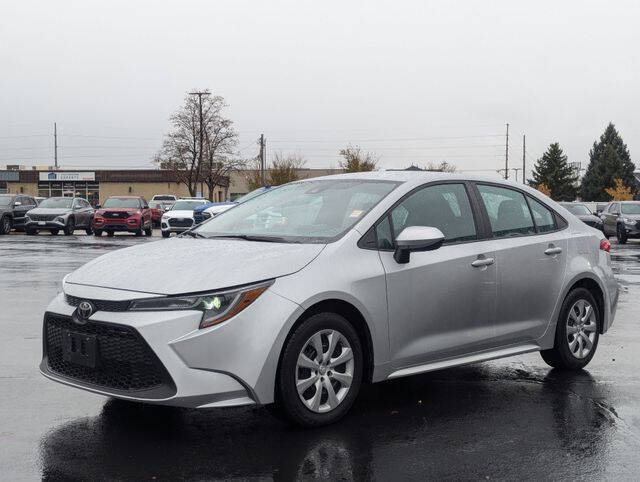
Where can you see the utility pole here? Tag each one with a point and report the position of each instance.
(506, 155)
(262, 160)
(516, 169)
(200, 94)
(524, 161)
(55, 145)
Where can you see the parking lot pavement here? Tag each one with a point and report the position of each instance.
(509, 419)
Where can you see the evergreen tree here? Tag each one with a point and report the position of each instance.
(553, 171)
(609, 160)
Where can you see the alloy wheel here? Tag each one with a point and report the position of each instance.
(581, 328)
(6, 225)
(324, 371)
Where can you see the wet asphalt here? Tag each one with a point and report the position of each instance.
(508, 419)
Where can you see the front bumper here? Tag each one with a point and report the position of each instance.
(230, 364)
(44, 224)
(124, 224)
(166, 226)
(632, 231)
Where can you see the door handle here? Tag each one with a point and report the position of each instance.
(480, 262)
(552, 251)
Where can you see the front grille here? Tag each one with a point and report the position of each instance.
(43, 217)
(180, 222)
(101, 305)
(198, 217)
(115, 214)
(125, 364)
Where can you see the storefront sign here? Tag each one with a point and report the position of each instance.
(67, 176)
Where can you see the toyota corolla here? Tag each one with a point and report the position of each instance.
(299, 296)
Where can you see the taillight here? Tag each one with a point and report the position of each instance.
(605, 245)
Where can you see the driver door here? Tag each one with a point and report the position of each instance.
(441, 303)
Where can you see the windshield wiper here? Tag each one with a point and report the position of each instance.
(251, 237)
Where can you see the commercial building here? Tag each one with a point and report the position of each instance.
(96, 186)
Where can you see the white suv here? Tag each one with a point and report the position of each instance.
(180, 217)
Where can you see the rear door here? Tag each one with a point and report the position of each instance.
(19, 211)
(441, 303)
(530, 245)
(610, 218)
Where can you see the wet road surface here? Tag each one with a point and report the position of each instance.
(508, 419)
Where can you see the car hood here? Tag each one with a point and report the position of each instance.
(187, 265)
(635, 217)
(181, 213)
(59, 211)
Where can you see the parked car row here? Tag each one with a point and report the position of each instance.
(616, 218)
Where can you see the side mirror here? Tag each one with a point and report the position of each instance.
(17, 203)
(416, 238)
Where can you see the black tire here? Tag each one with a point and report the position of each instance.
(97, 232)
(166, 234)
(54, 232)
(138, 232)
(622, 236)
(148, 230)
(70, 227)
(561, 356)
(110, 234)
(5, 225)
(31, 232)
(88, 230)
(287, 399)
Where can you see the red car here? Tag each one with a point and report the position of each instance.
(157, 209)
(123, 213)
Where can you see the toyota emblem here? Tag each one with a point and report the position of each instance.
(85, 310)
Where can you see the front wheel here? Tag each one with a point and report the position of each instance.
(97, 233)
(70, 227)
(320, 372)
(166, 234)
(88, 230)
(577, 332)
(148, 230)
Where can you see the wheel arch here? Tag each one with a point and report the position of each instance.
(353, 315)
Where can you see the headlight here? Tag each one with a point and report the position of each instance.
(206, 215)
(628, 221)
(60, 219)
(216, 307)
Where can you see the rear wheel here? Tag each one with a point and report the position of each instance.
(148, 230)
(88, 230)
(577, 332)
(320, 372)
(5, 225)
(621, 234)
(70, 227)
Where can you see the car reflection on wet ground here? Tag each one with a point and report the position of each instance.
(507, 419)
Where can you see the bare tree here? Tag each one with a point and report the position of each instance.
(180, 152)
(284, 168)
(442, 166)
(356, 160)
(252, 174)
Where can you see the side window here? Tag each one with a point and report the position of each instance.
(444, 206)
(615, 208)
(144, 204)
(542, 216)
(508, 211)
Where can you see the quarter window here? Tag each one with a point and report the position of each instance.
(508, 211)
(444, 206)
(543, 217)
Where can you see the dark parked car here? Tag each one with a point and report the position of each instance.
(622, 219)
(123, 213)
(13, 208)
(60, 213)
(581, 211)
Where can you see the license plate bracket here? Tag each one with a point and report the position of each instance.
(80, 348)
(41, 223)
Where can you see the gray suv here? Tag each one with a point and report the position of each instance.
(60, 213)
(13, 208)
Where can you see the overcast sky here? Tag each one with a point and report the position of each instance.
(413, 81)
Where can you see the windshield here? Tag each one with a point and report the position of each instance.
(577, 209)
(632, 208)
(155, 204)
(57, 202)
(252, 194)
(5, 200)
(115, 202)
(164, 198)
(311, 211)
(186, 205)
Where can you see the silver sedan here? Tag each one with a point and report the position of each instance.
(356, 278)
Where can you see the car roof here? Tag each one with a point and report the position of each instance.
(124, 197)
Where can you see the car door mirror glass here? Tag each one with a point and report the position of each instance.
(417, 238)
(17, 203)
